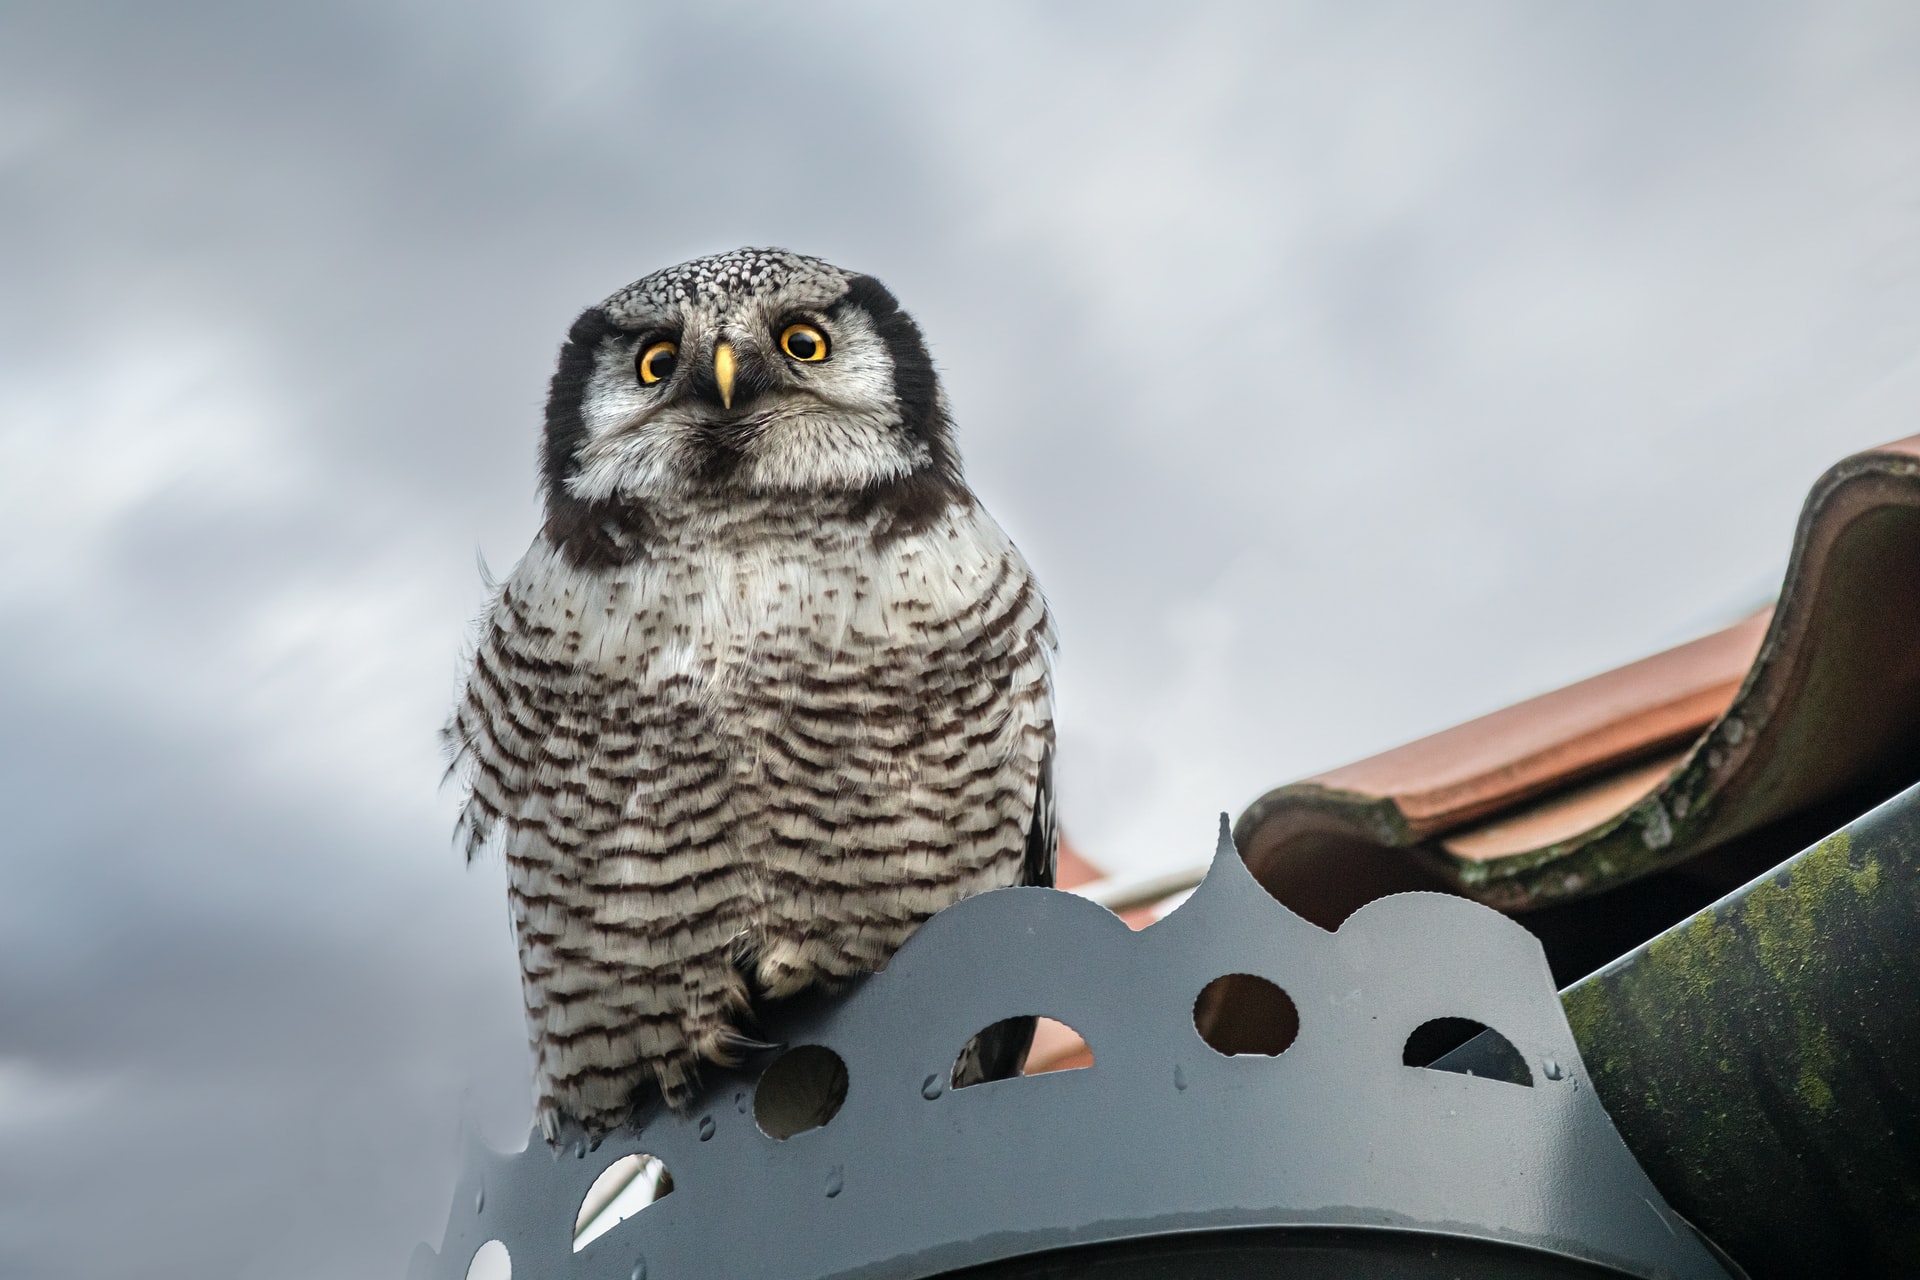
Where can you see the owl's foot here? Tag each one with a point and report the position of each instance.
(679, 1078)
(783, 970)
(735, 1044)
(563, 1132)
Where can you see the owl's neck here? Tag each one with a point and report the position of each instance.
(612, 533)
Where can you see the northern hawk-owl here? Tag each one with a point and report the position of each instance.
(769, 689)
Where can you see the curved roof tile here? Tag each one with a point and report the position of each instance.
(1607, 780)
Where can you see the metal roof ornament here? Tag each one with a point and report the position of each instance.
(1331, 1150)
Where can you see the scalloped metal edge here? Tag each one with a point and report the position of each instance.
(1161, 1135)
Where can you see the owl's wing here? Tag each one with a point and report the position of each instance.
(1000, 1051)
(1043, 841)
(611, 796)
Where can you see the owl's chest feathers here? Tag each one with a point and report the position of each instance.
(711, 611)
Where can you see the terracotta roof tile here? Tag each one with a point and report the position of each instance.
(1072, 870)
(1487, 765)
(1615, 777)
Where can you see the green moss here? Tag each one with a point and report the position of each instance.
(1814, 1091)
(1590, 1016)
(1746, 1055)
(1867, 879)
(1698, 994)
(1784, 914)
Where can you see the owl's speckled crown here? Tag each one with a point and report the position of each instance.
(734, 273)
(1162, 1137)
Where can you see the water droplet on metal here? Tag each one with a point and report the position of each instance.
(480, 1199)
(1179, 1077)
(932, 1087)
(1552, 1069)
(740, 1102)
(836, 1179)
(706, 1127)
(639, 1271)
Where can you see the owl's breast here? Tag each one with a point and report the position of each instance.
(821, 613)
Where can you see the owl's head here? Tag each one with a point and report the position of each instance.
(752, 372)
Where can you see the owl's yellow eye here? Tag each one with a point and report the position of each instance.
(804, 343)
(657, 362)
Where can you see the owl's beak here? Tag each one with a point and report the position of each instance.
(723, 373)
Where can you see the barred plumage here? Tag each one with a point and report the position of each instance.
(769, 689)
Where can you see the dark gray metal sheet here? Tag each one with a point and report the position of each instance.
(1761, 1056)
(1161, 1136)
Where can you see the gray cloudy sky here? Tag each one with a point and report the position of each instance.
(1344, 369)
